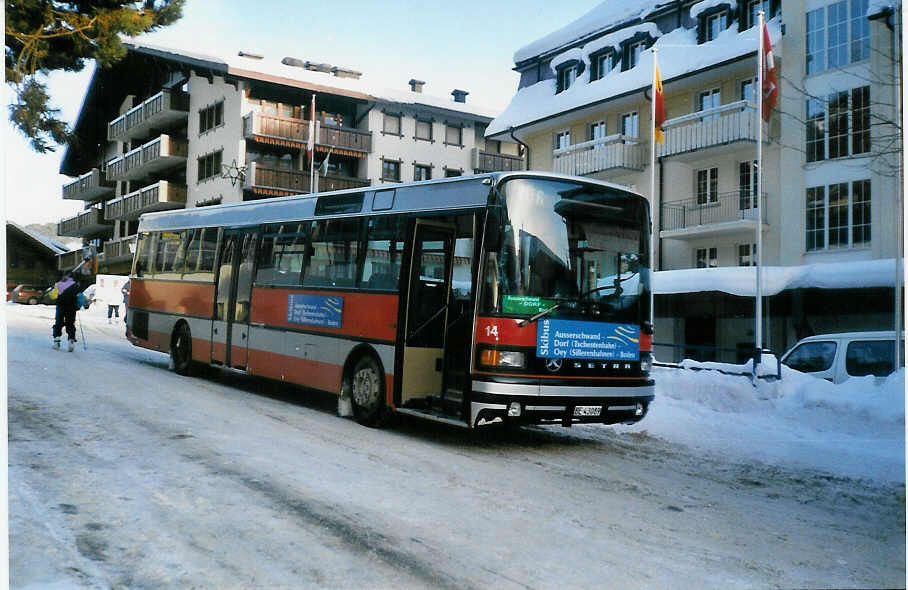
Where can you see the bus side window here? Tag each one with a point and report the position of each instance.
(384, 249)
(281, 254)
(200, 248)
(141, 261)
(334, 253)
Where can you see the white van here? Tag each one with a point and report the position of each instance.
(836, 357)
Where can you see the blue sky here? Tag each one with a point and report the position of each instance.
(467, 44)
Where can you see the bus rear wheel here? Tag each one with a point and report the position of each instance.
(367, 392)
(181, 350)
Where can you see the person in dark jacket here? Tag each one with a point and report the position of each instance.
(67, 293)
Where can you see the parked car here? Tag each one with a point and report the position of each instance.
(836, 357)
(30, 294)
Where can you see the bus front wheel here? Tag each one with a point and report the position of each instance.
(367, 392)
(181, 350)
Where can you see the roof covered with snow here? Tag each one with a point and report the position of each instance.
(741, 280)
(52, 246)
(679, 55)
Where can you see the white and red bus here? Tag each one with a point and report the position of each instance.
(504, 297)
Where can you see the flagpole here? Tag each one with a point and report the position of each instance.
(758, 315)
(312, 139)
(652, 192)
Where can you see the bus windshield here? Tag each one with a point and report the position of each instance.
(580, 249)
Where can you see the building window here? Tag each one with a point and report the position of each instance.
(838, 216)
(493, 146)
(209, 165)
(630, 124)
(211, 117)
(707, 101)
(562, 140)
(454, 135)
(633, 54)
(423, 130)
(837, 35)
(707, 186)
(747, 254)
(714, 24)
(596, 131)
(452, 172)
(601, 64)
(753, 8)
(746, 88)
(707, 257)
(391, 124)
(747, 184)
(840, 126)
(566, 76)
(422, 172)
(390, 170)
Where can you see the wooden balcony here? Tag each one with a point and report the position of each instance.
(278, 182)
(118, 250)
(291, 132)
(721, 126)
(160, 153)
(156, 197)
(615, 152)
(88, 224)
(69, 260)
(158, 112)
(492, 162)
(91, 186)
(725, 213)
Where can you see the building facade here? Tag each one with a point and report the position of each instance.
(30, 258)
(830, 151)
(167, 128)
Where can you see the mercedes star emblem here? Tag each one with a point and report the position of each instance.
(553, 365)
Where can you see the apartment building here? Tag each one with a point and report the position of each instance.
(169, 128)
(830, 152)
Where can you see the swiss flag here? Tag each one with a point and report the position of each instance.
(770, 88)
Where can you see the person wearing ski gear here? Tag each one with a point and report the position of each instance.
(67, 293)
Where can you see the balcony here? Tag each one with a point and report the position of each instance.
(294, 133)
(279, 182)
(492, 162)
(721, 126)
(89, 223)
(156, 197)
(726, 213)
(158, 112)
(91, 186)
(615, 152)
(69, 260)
(158, 154)
(118, 250)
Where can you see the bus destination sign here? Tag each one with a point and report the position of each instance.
(587, 340)
(315, 310)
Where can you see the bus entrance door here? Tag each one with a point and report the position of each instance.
(428, 297)
(233, 299)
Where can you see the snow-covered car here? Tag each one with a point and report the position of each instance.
(836, 357)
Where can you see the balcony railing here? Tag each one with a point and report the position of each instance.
(158, 154)
(728, 210)
(279, 181)
(69, 260)
(295, 133)
(492, 162)
(86, 224)
(599, 155)
(156, 197)
(710, 128)
(159, 111)
(91, 186)
(118, 250)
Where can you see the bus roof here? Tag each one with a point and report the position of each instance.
(461, 192)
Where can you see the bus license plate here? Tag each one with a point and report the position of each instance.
(587, 410)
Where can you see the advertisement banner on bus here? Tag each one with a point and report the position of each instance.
(587, 340)
(315, 310)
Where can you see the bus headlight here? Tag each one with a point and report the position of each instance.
(646, 362)
(503, 358)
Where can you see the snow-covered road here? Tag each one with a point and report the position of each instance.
(123, 474)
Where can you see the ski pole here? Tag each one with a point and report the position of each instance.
(81, 331)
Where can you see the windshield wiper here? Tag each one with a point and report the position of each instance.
(542, 313)
(616, 285)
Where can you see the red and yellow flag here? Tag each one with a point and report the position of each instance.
(659, 98)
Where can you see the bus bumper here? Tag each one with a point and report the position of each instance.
(521, 403)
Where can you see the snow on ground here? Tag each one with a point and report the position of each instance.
(855, 429)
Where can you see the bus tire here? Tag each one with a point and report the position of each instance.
(181, 350)
(367, 392)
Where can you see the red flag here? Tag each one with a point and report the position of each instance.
(310, 145)
(659, 97)
(770, 89)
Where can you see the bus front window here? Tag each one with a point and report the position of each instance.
(585, 246)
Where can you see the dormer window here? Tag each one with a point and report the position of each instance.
(601, 63)
(633, 53)
(711, 22)
(752, 7)
(633, 48)
(566, 73)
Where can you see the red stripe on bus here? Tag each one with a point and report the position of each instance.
(172, 296)
(504, 331)
(310, 373)
(646, 342)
